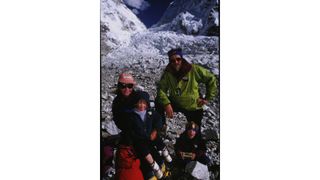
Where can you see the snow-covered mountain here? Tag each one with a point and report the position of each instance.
(126, 41)
(117, 24)
(196, 17)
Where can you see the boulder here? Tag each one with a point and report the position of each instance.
(110, 127)
(198, 170)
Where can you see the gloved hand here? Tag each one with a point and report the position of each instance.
(156, 169)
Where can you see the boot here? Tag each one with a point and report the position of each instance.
(156, 170)
(166, 155)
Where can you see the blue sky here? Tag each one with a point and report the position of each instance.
(149, 11)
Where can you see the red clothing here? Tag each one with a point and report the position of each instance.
(127, 164)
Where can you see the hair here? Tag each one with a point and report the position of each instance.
(141, 95)
(177, 51)
(192, 125)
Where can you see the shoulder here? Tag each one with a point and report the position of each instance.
(164, 75)
(183, 136)
(116, 99)
(199, 139)
(197, 67)
(115, 102)
(152, 112)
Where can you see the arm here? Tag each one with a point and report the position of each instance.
(206, 77)
(156, 127)
(177, 148)
(201, 150)
(162, 89)
(156, 120)
(119, 117)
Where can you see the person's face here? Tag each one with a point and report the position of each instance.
(125, 89)
(191, 133)
(141, 105)
(176, 61)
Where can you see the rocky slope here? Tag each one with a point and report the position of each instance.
(146, 78)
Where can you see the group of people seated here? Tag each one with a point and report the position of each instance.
(141, 152)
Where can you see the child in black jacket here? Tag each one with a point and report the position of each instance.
(190, 146)
(145, 125)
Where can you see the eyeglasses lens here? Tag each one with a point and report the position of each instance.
(122, 86)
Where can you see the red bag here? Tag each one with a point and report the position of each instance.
(127, 164)
(125, 157)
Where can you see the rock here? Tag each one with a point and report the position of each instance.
(110, 127)
(198, 170)
(139, 87)
(210, 134)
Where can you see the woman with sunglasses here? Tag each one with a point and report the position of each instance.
(127, 162)
(124, 101)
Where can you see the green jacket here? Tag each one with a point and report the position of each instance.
(185, 93)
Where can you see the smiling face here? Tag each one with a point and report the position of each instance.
(191, 133)
(175, 61)
(141, 105)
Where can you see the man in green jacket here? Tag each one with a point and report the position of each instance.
(178, 89)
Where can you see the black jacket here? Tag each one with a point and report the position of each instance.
(141, 131)
(120, 107)
(196, 145)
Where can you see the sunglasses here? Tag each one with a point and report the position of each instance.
(122, 86)
(172, 60)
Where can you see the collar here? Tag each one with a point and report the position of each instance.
(185, 68)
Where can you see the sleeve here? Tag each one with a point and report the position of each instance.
(162, 90)
(156, 120)
(116, 115)
(209, 79)
(201, 150)
(178, 145)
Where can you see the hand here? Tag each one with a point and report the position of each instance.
(180, 154)
(202, 102)
(169, 110)
(153, 135)
(193, 156)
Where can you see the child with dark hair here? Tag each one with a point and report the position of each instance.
(145, 125)
(190, 146)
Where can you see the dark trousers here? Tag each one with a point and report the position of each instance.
(195, 116)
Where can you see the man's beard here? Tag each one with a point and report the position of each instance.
(177, 68)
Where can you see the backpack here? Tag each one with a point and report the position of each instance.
(125, 157)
